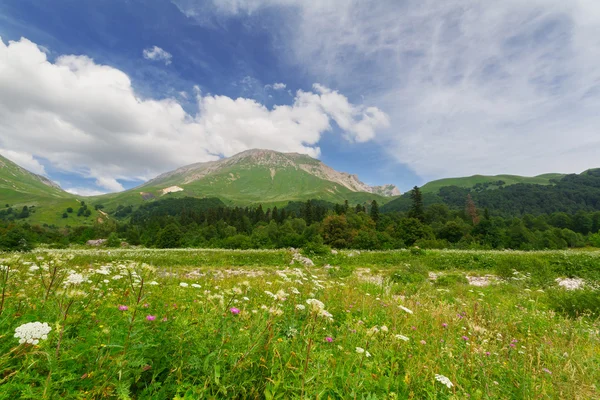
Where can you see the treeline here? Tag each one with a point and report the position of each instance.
(317, 225)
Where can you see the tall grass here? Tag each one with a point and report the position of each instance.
(161, 325)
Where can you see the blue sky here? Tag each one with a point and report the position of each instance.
(101, 95)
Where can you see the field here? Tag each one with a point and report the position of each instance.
(190, 324)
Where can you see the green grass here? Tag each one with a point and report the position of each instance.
(469, 182)
(504, 341)
(246, 187)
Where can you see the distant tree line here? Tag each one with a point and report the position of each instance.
(191, 222)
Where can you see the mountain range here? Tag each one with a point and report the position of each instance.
(246, 179)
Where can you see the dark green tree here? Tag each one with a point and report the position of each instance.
(417, 210)
(374, 213)
(169, 237)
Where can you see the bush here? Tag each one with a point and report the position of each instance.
(316, 249)
(341, 272)
(575, 303)
(451, 280)
(113, 240)
(410, 273)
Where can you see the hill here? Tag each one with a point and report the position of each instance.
(483, 182)
(255, 177)
(569, 194)
(36, 199)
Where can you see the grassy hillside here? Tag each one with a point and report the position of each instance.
(45, 200)
(488, 182)
(245, 185)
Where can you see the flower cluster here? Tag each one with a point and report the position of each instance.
(32, 332)
(444, 380)
(74, 279)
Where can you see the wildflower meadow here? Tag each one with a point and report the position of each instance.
(169, 324)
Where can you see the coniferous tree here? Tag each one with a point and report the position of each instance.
(417, 209)
(374, 213)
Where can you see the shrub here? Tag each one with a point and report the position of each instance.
(341, 272)
(318, 249)
(451, 280)
(409, 273)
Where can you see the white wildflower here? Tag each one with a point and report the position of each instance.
(153, 283)
(281, 295)
(195, 285)
(183, 284)
(74, 279)
(300, 307)
(360, 350)
(32, 332)
(402, 337)
(405, 309)
(315, 304)
(384, 329)
(237, 290)
(443, 380)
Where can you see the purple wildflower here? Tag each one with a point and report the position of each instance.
(150, 317)
(234, 311)
(329, 339)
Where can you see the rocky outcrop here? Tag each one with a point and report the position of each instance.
(96, 242)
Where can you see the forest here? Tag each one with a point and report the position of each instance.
(319, 226)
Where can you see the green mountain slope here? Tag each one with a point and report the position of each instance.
(570, 194)
(483, 182)
(254, 177)
(45, 200)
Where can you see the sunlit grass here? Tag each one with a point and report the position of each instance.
(138, 327)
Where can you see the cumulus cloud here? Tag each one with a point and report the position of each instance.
(86, 118)
(279, 86)
(470, 87)
(24, 160)
(155, 53)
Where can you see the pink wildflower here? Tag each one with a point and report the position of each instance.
(123, 308)
(444, 325)
(150, 317)
(234, 311)
(329, 339)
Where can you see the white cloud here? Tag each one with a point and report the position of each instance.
(279, 86)
(471, 87)
(81, 191)
(86, 118)
(24, 160)
(155, 53)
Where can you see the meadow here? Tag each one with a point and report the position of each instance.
(279, 324)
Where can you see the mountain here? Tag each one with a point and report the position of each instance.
(35, 198)
(18, 185)
(256, 177)
(483, 182)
